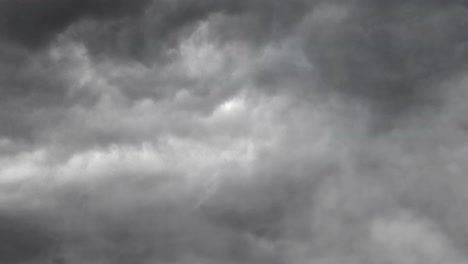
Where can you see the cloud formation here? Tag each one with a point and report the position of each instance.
(248, 131)
(32, 23)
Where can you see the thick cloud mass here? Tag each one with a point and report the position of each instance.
(32, 23)
(394, 54)
(219, 131)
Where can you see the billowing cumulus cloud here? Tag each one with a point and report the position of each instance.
(248, 131)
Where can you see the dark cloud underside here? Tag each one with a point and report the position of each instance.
(393, 54)
(33, 23)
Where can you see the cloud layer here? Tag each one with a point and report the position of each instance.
(248, 131)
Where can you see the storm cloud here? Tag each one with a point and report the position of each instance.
(250, 131)
(34, 23)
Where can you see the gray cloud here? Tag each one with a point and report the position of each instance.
(233, 131)
(33, 23)
(393, 55)
(24, 239)
(148, 37)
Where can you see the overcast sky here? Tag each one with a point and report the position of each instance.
(233, 131)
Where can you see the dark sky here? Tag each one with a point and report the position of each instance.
(233, 131)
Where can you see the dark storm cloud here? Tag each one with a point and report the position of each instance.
(148, 38)
(24, 239)
(32, 85)
(390, 56)
(33, 23)
(393, 55)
